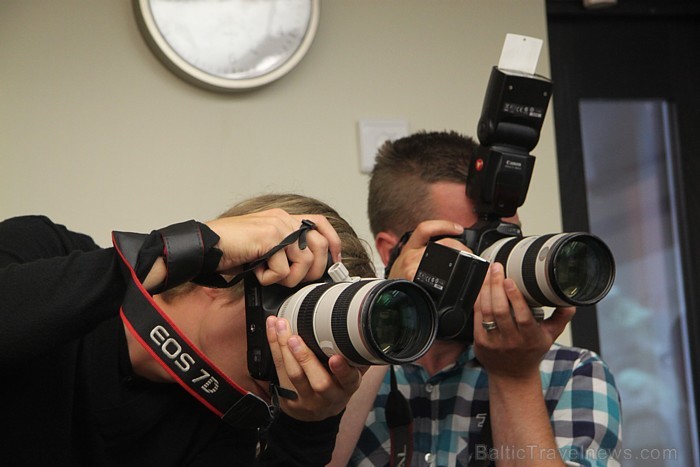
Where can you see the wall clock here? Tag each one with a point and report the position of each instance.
(228, 45)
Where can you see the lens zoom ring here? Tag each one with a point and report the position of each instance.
(305, 319)
(528, 269)
(504, 252)
(339, 324)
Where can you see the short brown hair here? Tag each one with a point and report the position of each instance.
(404, 169)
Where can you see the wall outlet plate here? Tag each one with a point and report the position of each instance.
(374, 133)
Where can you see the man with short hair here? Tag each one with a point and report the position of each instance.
(513, 396)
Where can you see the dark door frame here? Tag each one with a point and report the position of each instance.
(638, 49)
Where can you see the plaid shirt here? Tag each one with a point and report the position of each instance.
(448, 411)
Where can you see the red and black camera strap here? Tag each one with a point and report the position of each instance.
(184, 249)
(189, 252)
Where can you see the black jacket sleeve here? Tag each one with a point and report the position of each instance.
(55, 286)
(295, 443)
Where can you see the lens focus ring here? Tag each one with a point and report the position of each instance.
(339, 323)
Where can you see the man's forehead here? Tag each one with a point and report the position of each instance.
(450, 202)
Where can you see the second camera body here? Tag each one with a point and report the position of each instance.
(453, 278)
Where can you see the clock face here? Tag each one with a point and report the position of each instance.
(229, 44)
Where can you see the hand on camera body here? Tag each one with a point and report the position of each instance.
(246, 238)
(406, 264)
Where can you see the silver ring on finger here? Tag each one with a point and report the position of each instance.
(489, 325)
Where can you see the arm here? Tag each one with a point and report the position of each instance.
(591, 423)
(353, 421)
(511, 355)
(520, 422)
(55, 286)
(296, 443)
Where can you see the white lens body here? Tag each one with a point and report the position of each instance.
(347, 318)
(541, 267)
(322, 321)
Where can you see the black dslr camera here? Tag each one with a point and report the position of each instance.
(369, 321)
(550, 270)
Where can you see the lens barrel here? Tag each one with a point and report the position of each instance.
(567, 269)
(369, 321)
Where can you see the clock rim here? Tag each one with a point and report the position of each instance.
(194, 75)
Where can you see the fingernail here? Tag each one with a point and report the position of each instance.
(281, 325)
(294, 344)
(340, 258)
(496, 268)
(509, 285)
(458, 227)
(270, 322)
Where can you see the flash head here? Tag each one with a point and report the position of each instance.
(514, 108)
(499, 174)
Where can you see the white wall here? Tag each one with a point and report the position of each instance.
(96, 133)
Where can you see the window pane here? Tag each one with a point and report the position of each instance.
(628, 150)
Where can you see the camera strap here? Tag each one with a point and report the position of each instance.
(399, 418)
(188, 250)
(189, 253)
(213, 279)
(188, 366)
(396, 251)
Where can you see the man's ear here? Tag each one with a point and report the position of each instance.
(384, 242)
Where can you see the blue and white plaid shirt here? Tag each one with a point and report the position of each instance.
(449, 409)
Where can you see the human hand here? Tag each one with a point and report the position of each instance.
(515, 348)
(320, 394)
(406, 264)
(245, 238)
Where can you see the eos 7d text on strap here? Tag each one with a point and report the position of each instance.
(189, 253)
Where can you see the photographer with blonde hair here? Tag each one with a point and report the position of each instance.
(89, 391)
